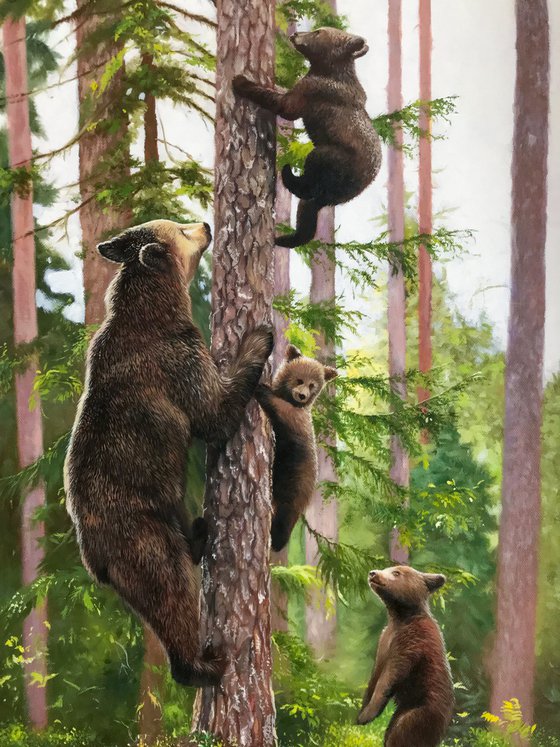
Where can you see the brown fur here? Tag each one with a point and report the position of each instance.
(288, 404)
(151, 385)
(331, 101)
(411, 664)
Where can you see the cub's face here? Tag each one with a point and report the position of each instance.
(160, 246)
(326, 45)
(404, 586)
(300, 379)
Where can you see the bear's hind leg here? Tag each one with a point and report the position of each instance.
(300, 186)
(417, 726)
(283, 522)
(154, 574)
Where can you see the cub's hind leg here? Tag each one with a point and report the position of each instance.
(153, 572)
(418, 726)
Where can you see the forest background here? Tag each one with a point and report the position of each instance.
(122, 111)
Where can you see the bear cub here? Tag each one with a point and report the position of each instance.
(347, 153)
(411, 664)
(287, 403)
(151, 385)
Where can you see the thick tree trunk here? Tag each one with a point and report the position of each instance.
(514, 654)
(29, 425)
(236, 574)
(396, 296)
(322, 515)
(425, 198)
(279, 612)
(95, 148)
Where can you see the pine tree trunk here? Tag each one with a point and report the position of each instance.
(29, 425)
(152, 680)
(425, 198)
(283, 205)
(396, 296)
(236, 574)
(322, 515)
(95, 148)
(514, 653)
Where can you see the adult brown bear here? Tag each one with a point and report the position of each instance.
(151, 385)
(347, 153)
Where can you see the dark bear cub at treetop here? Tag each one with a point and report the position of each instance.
(287, 402)
(411, 664)
(331, 101)
(151, 385)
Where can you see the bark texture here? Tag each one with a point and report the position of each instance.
(514, 654)
(29, 425)
(236, 574)
(425, 197)
(396, 296)
(322, 515)
(97, 148)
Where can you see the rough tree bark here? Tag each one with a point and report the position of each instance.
(396, 296)
(29, 425)
(95, 148)
(150, 726)
(425, 198)
(236, 574)
(322, 515)
(513, 662)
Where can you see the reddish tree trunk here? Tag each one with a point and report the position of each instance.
(29, 425)
(152, 680)
(425, 198)
(514, 653)
(236, 574)
(396, 296)
(322, 515)
(283, 205)
(96, 146)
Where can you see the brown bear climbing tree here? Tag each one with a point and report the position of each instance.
(236, 575)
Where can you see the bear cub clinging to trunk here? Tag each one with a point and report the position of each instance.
(411, 664)
(151, 385)
(287, 403)
(331, 101)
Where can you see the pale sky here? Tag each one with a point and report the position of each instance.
(474, 59)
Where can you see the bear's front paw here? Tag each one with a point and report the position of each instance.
(362, 719)
(241, 84)
(260, 341)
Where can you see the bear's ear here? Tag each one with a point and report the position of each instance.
(154, 257)
(292, 353)
(358, 47)
(434, 581)
(114, 249)
(330, 373)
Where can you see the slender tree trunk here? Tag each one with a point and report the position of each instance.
(96, 147)
(514, 654)
(322, 515)
(236, 573)
(279, 612)
(396, 301)
(425, 199)
(29, 425)
(152, 680)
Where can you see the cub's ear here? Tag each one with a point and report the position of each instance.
(292, 353)
(434, 581)
(330, 373)
(114, 249)
(154, 257)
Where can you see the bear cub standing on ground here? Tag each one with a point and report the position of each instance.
(331, 101)
(287, 403)
(411, 664)
(151, 385)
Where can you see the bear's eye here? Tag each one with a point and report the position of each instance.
(396, 573)
(299, 382)
(312, 386)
